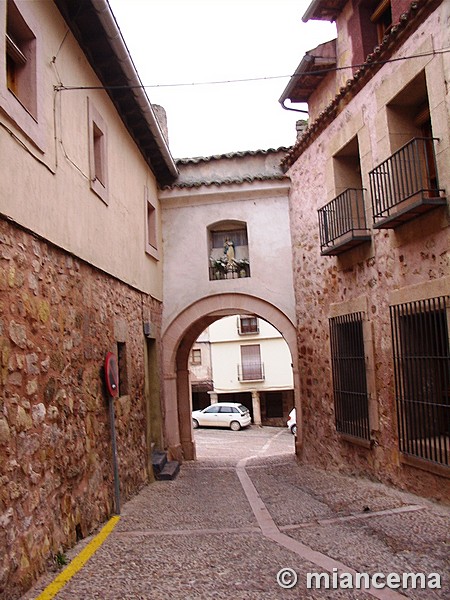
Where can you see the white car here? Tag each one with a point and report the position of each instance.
(222, 414)
(292, 422)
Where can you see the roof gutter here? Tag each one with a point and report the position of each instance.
(310, 10)
(302, 68)
(114, 35)
(306, 112)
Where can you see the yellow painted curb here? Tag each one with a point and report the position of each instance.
(78, 562)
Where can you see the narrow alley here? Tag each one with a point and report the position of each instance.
(246, 519)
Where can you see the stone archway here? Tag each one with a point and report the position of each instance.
(178, 338)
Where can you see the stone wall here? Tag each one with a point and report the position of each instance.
(399, 265)
(58, 318)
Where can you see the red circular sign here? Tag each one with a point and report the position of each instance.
(111, 375)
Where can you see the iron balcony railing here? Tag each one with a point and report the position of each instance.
(251, 371)
(406, 184)
(342, 222)
(420, 336)
(219, 269)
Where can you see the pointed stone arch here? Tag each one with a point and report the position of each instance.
(177, 340)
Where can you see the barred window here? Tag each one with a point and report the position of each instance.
(351, 398)
(420, 337)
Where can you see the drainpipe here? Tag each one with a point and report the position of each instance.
(293, 109)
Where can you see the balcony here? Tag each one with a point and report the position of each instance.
(405, 185)
(342, 223)
(251, 371)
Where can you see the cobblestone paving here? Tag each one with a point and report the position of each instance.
(209, 534)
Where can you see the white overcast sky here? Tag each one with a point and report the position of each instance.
(194, 41)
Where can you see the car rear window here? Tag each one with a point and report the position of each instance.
(243, 408)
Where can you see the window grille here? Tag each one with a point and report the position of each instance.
(349, 375)
(422, 377)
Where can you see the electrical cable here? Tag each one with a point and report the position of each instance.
(254, 79)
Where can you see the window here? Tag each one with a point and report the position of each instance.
(122, 364)
(151, 225)
(420, 336)
(20, 59)
(196, 357)
(228, 409)
(351, 397)
(212, 409)
(408, 113)
(98, 153)
(247, 325)
(21, 69)
(342, 222)
(251, 367)
(406, 185)
(382, 18)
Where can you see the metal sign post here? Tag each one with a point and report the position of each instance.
(112, 386)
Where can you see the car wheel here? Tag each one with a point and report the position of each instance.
(235, 425)
(194, 424)
(294, 429)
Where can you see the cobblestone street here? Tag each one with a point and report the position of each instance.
(245, 510)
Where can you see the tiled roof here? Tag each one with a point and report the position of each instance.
(313, 68)
(408, 22)
(192, 175)
(323, 10)
(240, 154)
(226, 181)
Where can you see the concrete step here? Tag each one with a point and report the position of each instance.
(169, 471)
(159, 459)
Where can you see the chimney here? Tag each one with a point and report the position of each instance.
(161, 115)
(301, 126)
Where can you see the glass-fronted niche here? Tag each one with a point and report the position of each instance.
(228, 250)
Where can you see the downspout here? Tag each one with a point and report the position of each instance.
(123, 56)
(293, 109)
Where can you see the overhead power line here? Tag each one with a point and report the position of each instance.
(253, 79)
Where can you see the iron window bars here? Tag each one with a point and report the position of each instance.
(348, 364)
(342, 222)
(420, 337)
(406, 184)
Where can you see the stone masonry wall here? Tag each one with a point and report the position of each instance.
(418, 255)
(415, 256)
(58, 318)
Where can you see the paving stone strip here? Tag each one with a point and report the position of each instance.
(354, 517)
(270, 530)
